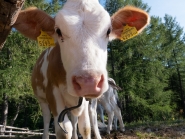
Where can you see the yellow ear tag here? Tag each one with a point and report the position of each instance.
(128, 33)
(44, 40)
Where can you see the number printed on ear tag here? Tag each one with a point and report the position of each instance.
(44, 40)
(128, 33)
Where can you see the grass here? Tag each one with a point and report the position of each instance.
(155, 123)
(174, 129)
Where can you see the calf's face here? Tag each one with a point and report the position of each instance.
(82, 28)
(83, 32)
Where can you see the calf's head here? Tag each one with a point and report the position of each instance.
(82, 28)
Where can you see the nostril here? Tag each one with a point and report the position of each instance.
(76, 84)
(100, 83)
(88, 85)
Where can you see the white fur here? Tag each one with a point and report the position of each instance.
(63, 100)
(91, 112)
(47, 116)
(109, 103)
(84, 26)
(93, 118)
(41, 94)
(44, 68)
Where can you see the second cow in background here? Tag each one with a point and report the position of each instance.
(110, 102)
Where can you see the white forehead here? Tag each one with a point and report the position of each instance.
(84, 18)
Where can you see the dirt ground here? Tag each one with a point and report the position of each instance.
(162, 132)
(175, 131)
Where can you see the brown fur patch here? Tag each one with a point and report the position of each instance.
(37, 77)
(87, 131)
(131, 16)
(56, 75)
(32, 20)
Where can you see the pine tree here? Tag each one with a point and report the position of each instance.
(139, 66)
(17, 59)
(175, 46)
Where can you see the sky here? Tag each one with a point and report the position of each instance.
(174, 8)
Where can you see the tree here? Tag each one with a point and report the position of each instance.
(175, 46)
(140, 66)
(8, 15)
(17, 60)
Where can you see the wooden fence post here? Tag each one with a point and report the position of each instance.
(2, 130)
(10, 131)
(9, 10)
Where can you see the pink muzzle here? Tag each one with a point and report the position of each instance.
(88, 86)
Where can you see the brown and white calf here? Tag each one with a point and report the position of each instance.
(76, 66)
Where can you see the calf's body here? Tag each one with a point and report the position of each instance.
(49, 85)
(76, 66)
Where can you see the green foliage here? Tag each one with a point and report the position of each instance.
(144, 65)
(150, 68)
(50, 7)
(30, 114)
(17, 59)
(113, 5)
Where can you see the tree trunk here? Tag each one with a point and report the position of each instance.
(4, 111)
(127, 108)
(180, 85)
(9, 10)
(16, 114)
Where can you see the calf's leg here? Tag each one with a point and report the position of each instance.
(60, 134)
(110, 113)
(74, 120)
(84, 122)
(110, 120)
(93, 118)
(100, 111)
(46, 118)
(117, 112)
(59, 107)
(115, 123)
(118, 115)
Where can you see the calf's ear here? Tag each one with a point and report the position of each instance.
(31, 21)
(131, 16)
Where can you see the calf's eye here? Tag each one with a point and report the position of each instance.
(108, 31)
(58, 32)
